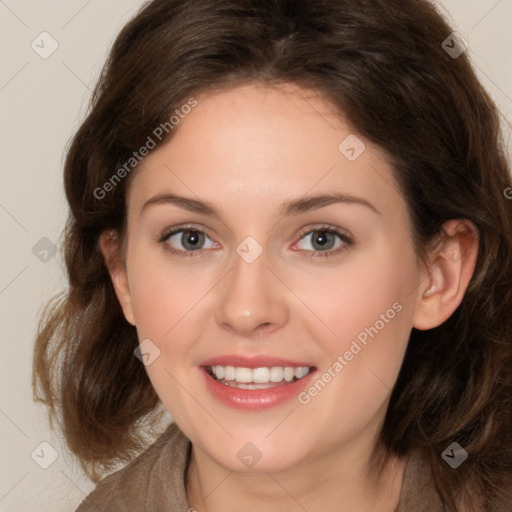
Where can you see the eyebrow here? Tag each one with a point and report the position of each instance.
(293, 207)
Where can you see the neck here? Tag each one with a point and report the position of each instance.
(338, 480)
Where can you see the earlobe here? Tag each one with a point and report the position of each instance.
(451, 267)
(109, 247)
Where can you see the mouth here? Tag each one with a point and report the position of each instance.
(264, 377)
(255, 383)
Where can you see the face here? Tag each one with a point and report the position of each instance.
(268, 241)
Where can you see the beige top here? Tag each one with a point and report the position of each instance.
(155, 481)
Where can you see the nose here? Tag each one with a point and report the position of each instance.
(253, 300)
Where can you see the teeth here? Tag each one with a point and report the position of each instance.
(300, 372)
(243, 375)
(229, 372)
(259, 375)
(218, 371)
(289, 373)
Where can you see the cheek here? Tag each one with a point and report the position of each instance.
(165, 299)
(362, 360)
(363, 291)
(366, 313)
(164, 293)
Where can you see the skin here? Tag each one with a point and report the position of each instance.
(246, 150)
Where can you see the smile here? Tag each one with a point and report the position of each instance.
(256, 378)
(255, 383)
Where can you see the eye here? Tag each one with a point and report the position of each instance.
(186, 241)
(325, 241)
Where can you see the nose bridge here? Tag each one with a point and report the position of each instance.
(250, 296)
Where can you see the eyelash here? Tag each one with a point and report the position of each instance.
(347, 241)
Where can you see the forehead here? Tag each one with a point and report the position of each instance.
(255, 145)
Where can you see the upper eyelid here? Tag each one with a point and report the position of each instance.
(324, 227)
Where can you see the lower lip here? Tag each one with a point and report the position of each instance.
(255, 399)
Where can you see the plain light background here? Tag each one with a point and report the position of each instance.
(42, 101)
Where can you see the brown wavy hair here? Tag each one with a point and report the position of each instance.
(381, 63)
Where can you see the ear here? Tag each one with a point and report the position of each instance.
(451, 266)
(110, 248)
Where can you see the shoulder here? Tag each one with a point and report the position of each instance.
(154, 478)
(418, 490)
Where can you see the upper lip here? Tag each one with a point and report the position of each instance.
(252, 361)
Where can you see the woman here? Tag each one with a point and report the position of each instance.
(289, 228)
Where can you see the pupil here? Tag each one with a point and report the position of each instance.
(191, 239)
(322, 238)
